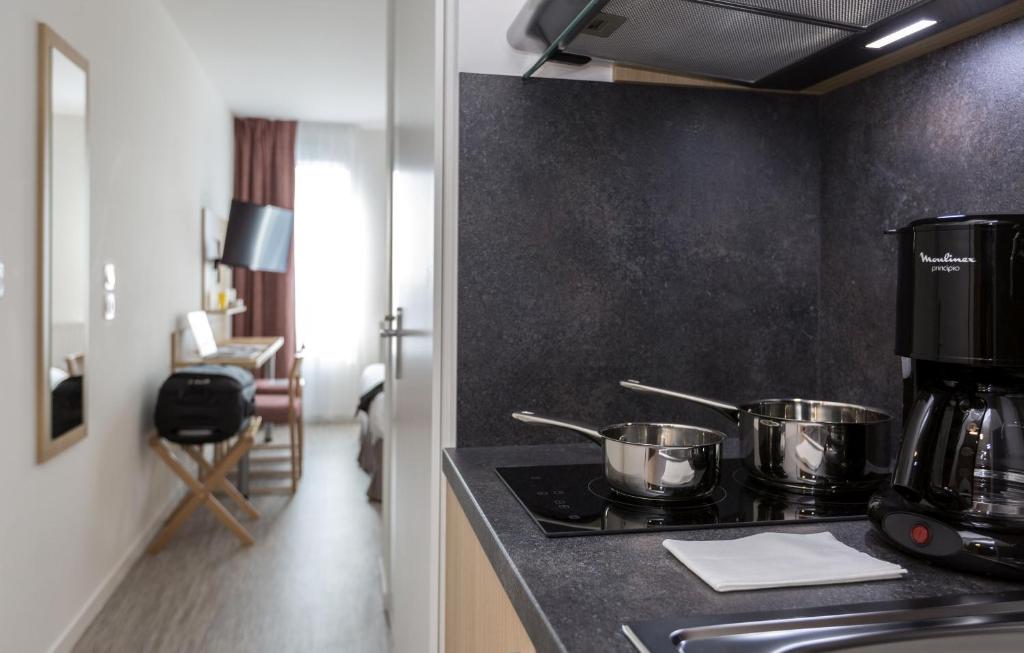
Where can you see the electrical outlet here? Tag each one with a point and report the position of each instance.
(3, 285)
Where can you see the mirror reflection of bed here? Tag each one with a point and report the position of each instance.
(65, 402)
(67, 361)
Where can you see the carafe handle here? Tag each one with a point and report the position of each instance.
(907, 477)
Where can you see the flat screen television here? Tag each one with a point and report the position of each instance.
(259, 237)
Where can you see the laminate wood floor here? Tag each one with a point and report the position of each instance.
(310, 583)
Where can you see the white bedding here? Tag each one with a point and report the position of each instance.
(375, 420)
(373, 424)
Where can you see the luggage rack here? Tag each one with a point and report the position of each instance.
(210, 480)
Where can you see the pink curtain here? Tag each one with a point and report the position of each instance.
(265, 174)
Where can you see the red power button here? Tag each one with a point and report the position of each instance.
(920, 534)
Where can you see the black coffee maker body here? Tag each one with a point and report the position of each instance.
(957, 492)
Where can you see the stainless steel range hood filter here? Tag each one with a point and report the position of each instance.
(786, 44)
(854, 13)
(704, 39)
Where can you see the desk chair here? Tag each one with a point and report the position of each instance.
(283, 408)
(275, 386)
(212, 478)
(280, 386)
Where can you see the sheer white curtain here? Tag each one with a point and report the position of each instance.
(337, 267)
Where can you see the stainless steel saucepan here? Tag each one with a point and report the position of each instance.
(804, 444)
(652, 461)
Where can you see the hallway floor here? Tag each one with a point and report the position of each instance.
(311, 582)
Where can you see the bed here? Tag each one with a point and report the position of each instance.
(372, 416)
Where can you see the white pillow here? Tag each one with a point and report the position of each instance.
(372, 375)
(57, 376)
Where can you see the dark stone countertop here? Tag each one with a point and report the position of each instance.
(574, 593)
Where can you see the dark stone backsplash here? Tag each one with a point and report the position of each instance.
(940, 135)
(725, 244)
(610, 232)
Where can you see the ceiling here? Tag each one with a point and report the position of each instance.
(313, 60)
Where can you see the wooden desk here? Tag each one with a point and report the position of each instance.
(265, 356)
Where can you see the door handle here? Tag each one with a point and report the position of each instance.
(395, 332)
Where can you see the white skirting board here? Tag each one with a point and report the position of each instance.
(99, 598)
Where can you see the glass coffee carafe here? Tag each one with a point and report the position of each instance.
(966, 451)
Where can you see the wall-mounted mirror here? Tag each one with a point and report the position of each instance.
(63, 201)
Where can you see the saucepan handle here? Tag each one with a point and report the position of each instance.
(730, 411)
(579, 427)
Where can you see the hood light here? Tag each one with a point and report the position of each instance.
(902, 34)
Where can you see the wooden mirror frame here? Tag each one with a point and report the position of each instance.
(46, 446)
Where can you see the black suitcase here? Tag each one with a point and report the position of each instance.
(205, 403)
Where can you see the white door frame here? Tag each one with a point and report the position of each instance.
(446, 309)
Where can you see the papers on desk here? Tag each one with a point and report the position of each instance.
(238, 351)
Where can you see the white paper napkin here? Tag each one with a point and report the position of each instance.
(779, 560)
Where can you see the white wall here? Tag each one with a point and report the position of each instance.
(160, 147)
(483, 47)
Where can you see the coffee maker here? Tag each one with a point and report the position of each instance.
(957, 492)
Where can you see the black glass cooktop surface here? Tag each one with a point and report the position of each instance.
(577, 500)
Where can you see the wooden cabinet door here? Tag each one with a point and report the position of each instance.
(478, 614)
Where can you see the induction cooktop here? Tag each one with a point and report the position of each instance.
(567, 500)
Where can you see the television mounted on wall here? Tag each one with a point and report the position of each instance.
(259, 237)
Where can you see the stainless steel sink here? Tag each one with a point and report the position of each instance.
(1007, 641)
(993, 623)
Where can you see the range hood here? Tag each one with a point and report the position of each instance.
(772, 44)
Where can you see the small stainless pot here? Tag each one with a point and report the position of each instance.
(816, 446)
(652, 461)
